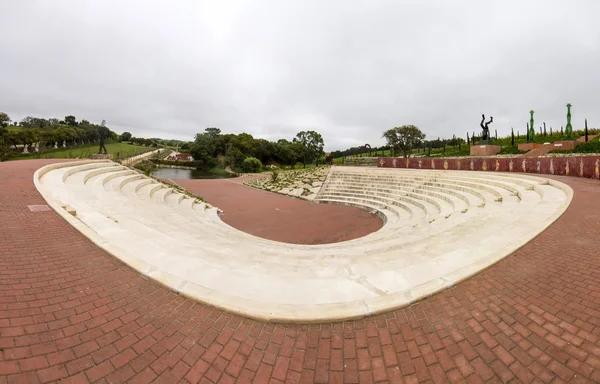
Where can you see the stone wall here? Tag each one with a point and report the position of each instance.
(361, 161)
(579, 166)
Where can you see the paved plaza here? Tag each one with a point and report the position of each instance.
(70, 310)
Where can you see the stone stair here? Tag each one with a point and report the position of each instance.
(440, 227)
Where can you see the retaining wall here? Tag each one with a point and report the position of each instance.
(578, 166)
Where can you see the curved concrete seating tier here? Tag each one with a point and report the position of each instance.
(440, 228)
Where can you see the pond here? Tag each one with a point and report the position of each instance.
(179, 173)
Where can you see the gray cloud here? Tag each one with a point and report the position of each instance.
(348, 69)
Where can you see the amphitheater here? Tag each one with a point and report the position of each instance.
(127, 280)
(440, 227)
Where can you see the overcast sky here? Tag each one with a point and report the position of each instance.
(347, 69)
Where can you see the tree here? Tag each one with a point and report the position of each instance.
(202, 149)
(512, 137)
(4, 150)
(234, 156)
(29, 136)
(313, 145)
(14, 138)
(404, 138)
(545, 133)
(213, 132)
(34, 122)
(125, 136)
(71, 121)
(4, 119)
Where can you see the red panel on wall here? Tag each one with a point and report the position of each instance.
(581, 166)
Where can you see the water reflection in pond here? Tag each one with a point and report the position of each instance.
(178, 173)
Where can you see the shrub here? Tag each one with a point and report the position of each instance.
(251, 165)
(145, 166)
(274, 175)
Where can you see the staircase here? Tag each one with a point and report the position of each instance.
(544, 149)
(539, 151)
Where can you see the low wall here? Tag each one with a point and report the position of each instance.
(361, 161)
(135, 159)
(174, 166)
(579, 166)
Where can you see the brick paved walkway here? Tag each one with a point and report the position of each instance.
(282, 218)
(68, 309)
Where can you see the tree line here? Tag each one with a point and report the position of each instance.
(403, 139)
(48, 132)
(212, 147)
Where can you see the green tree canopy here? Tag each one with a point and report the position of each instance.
(313, 145)
(4, 119)
(71, 120)
(404, 138)
(212, 132)
(125, 136)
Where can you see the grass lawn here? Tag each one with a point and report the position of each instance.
(84, 151)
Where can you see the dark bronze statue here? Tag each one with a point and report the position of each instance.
(485, 134)
(365, 148)
(102, 131)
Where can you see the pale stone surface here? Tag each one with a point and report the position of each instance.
(297, 192)
(441, 227)
(134, 159)
(293, 179)
(97, 156)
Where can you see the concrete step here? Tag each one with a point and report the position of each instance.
(186, 246)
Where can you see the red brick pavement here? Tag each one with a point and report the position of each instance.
(282, 218)
(69, 310)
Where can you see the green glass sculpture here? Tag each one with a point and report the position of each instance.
(531, 128)
(569, 128)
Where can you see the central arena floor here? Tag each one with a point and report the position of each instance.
(70, 310)
(282, 218)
